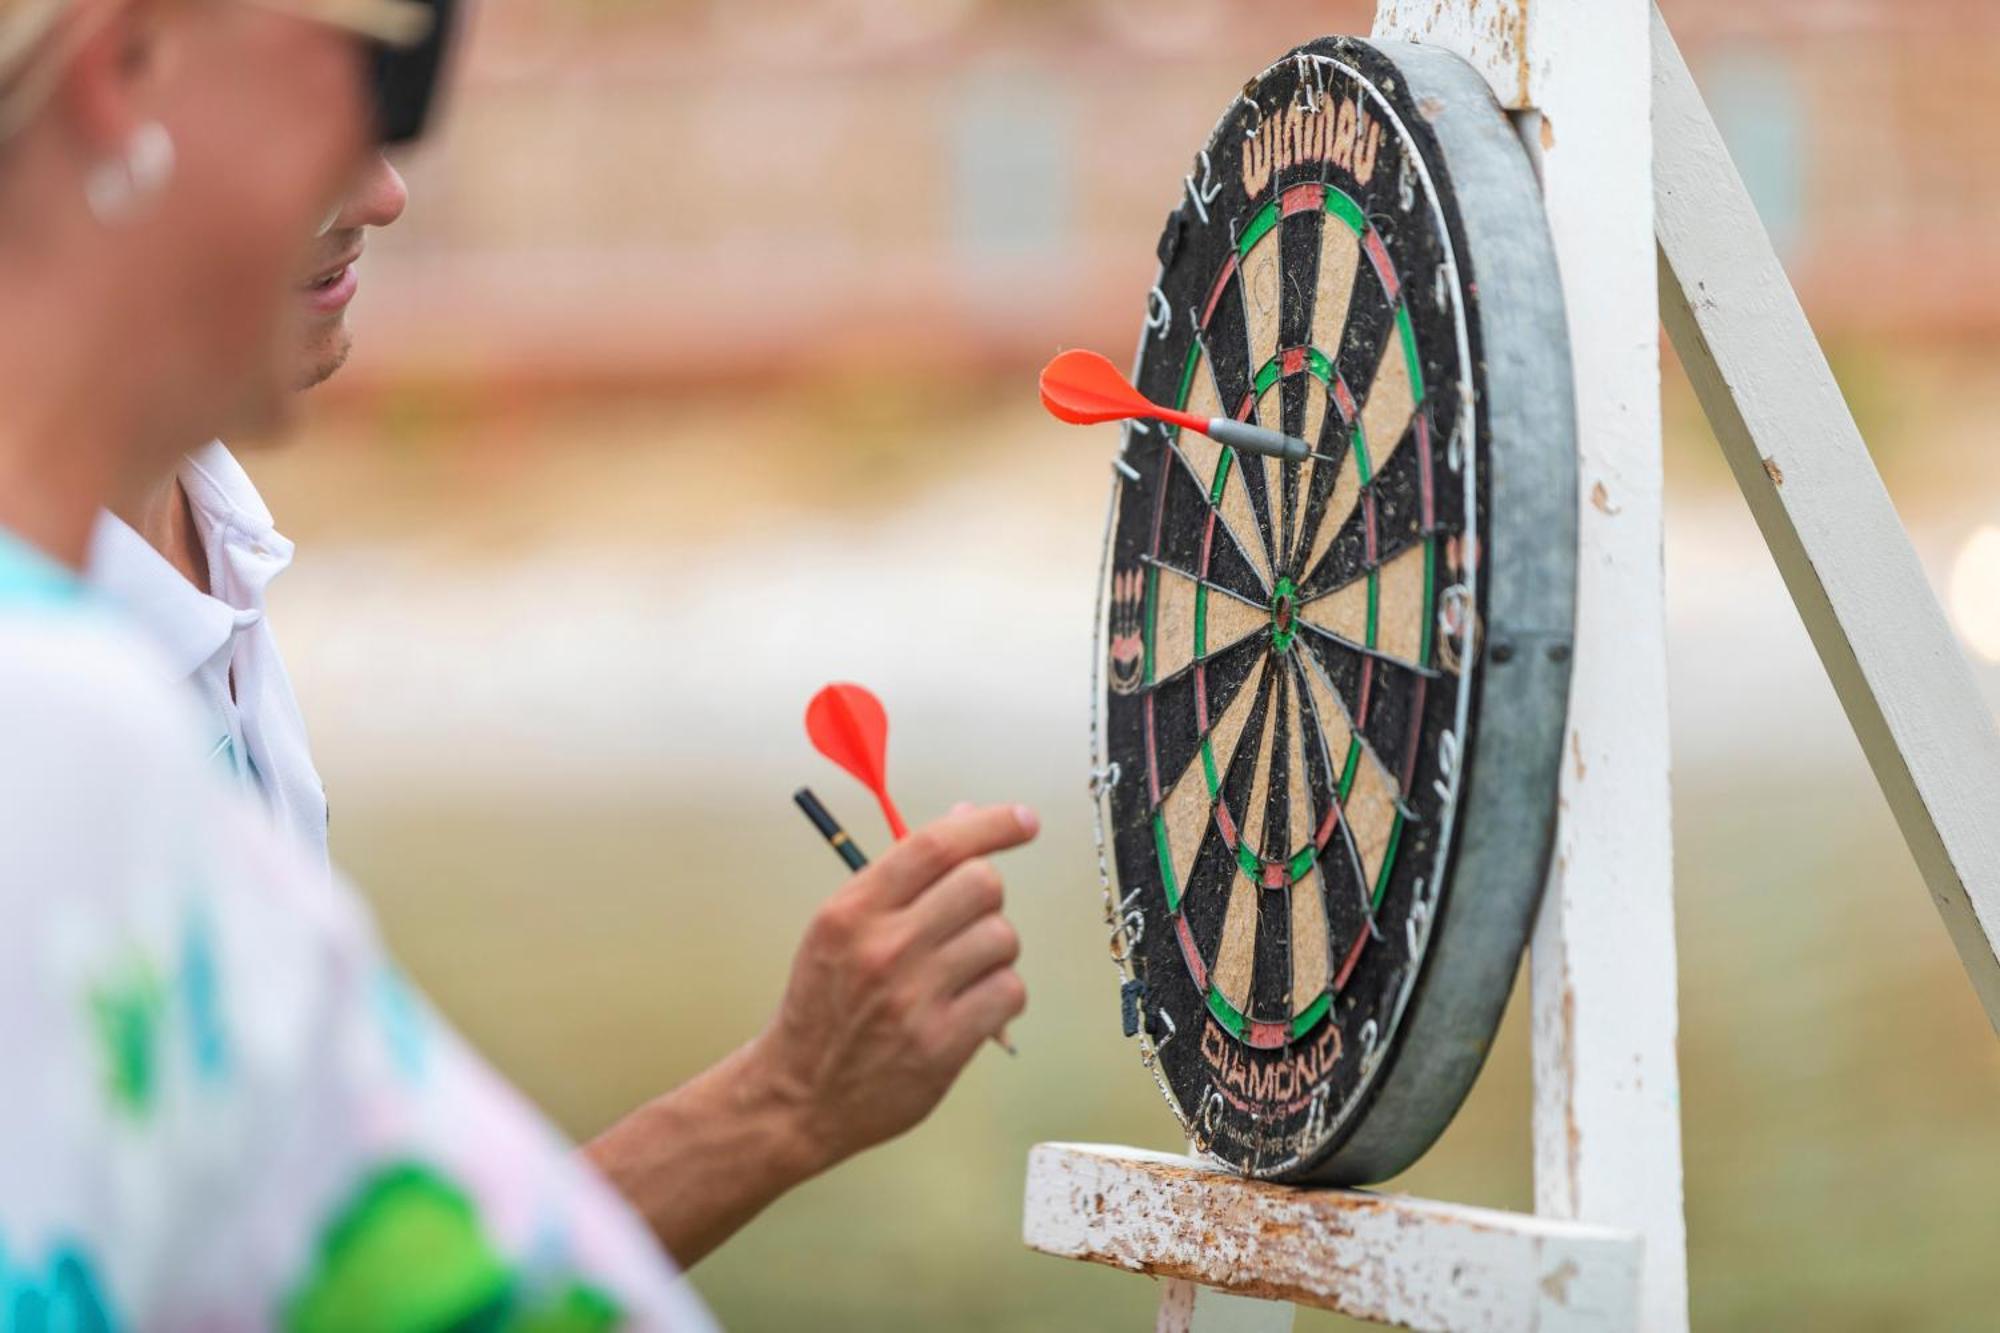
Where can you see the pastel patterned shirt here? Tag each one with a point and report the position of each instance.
(224, 1107)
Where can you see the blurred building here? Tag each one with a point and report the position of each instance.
(631, 191)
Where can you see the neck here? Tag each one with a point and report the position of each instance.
(164, 517)
(71, 428)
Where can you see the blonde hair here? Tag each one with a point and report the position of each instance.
(30, 63)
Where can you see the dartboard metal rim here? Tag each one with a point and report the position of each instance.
(1500, 829)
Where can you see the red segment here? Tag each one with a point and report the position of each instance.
(1295, 360)
(1353, 957)
(1342, 396)
(1326, 828)
(1249, 408)
(1268, 1036)
(1215, 292)
(1276, 876)
(1303, 199)
(1189, 952)
(1378, 254)
(1225, 823)
(1152, 755)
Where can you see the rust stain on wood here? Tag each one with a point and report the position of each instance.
(1556, 1284)
(1774, 472)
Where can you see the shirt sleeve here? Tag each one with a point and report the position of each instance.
(227, 1107)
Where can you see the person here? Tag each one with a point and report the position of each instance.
(191, 559)
(226, 1106)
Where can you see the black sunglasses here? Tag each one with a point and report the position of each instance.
(404, 79)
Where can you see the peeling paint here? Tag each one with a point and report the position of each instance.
(1774, 472)
(1600, 500)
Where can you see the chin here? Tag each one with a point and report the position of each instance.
(323, 358)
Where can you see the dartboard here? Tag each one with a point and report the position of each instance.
(1332, 691)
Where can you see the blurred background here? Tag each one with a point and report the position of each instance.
(700, 373)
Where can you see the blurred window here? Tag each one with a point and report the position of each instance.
(1010, 168)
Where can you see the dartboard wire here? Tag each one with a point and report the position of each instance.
(1313, 519)
(1333, 768)
(1342, 641)
(1403, 807)
(1248, 408)
(1221, 521)
(1210, 584)
(1206, 485)
(1181, 673)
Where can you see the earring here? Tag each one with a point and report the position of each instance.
(116, 190)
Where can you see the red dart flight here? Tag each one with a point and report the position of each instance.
(848, 725)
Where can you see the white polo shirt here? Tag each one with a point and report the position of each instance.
(222, 644)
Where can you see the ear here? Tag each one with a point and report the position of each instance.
(108, 87)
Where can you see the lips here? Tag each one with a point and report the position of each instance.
(327, 277)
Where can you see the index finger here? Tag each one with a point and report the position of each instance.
(933, 851)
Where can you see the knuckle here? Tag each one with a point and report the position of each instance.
(989, 892)
(930, 852)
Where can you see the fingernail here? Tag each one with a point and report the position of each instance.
(1031, 823)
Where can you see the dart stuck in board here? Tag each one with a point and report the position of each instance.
(1084, 389)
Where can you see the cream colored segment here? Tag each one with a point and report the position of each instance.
(1339, 253)
(1271, 416)
(1312, 961)
(1186, 808)
(1230, 621)
(1333, 721)
(1371, 814)
(1339, 508)
(1250, 819)
(1399, 606)
(1344, 612)
(1227, 732)
(1173, 622)
(1386, 414)
(1263, 297)
(1200, 451)
(1299, 821)
(1236, 956)
(1315, 419)
(1242, 522)
(1185, 813)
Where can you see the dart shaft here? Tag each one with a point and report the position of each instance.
(1246, 438)
(829, 828)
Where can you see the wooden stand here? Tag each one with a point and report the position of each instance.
(1614, 122)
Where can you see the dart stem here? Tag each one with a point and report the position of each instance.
(897, 828)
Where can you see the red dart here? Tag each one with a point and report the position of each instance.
(1083, 389)
(848, 725)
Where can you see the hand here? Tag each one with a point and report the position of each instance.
(902, 974)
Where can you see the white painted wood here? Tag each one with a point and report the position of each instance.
(1373, 1256)
(1831, 527)
(1607, 1084)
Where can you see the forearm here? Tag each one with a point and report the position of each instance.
(702, 1160)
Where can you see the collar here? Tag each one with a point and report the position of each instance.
(244, 551)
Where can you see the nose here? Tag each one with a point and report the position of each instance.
(378, 198)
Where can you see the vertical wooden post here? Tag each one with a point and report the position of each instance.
(1577, 76)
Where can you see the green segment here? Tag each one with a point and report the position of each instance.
(1267, 376)
(1226, 1014)
(1319, 366)
(1166, 863)
(1302, 864)
(1267, 218)
(1388, 863)
(1344, 208)
(1187, 374)
(1304, 1022)
(1246, 861)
